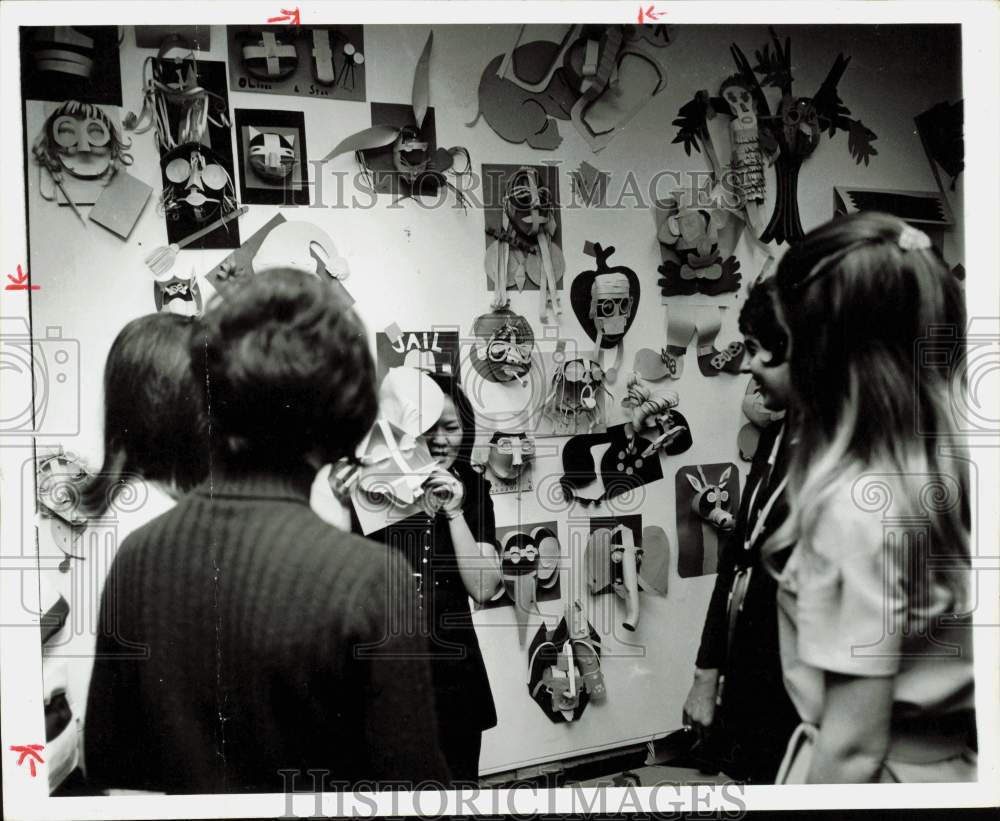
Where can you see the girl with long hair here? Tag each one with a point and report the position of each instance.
(873, 558)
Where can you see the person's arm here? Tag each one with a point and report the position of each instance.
(478, 563)
(854, 731)
(699, 707)
(472, 529)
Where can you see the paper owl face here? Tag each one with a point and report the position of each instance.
(272, 155)
(197, 184)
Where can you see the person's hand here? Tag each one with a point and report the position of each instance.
(443, 493)
(699, 708)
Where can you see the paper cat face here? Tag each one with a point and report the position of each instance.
(272, 155)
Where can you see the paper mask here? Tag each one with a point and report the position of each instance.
(524, 247)
(707, 498)
(59, 480)
(508, 458)
(622, 556)
(413, 158)
(631, 457)
(63, 49)
(270, 55)
(505, 343)
(599, 77)
(697, 255)
(564, 671)
(79, 140)
(786, 137)
(605, 301)
(577, 395)
(198, 187)
(272, 156)
(528, 560)
(178, 295)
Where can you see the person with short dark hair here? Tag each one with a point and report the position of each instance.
(266, 633)
(738, 702)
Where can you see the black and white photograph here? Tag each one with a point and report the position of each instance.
(300, 519)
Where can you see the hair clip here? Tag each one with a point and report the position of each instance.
(913, 239)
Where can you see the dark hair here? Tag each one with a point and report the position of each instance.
(449, 384)
(288, 373)
(154, 421)
(759, 319)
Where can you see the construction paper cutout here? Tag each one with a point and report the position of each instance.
(614, 556)
(589, 77)
(59, 480)
(707, 498)
(298, 245)
(504, 347)
(70, 63)
(436, 350)
(788, 136)
(759, 417)
(606, 302)
(302, 246)
(529, 560)
(273, 157)
(696, 249)
(608, 98)
(516, 114)
(522, 220)
(507, 459)
(654, 569)
(186, 105)
(120, 204)
(178, 295)
(590, 185)
(78, 150)
(630, 460)
(399, 151)
(195, 38)
(393, 461)
(269, 55)
(564, 671)
(942, 132)
(575, 401)
(328, 61)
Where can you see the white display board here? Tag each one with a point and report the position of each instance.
(420, 266)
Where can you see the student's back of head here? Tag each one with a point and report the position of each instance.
(288, 375)
(154, 421)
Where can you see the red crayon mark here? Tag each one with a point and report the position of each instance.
(650, 14)
(20, 282)
(31, 752)
(289, 15)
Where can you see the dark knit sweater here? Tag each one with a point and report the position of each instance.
(267, 647)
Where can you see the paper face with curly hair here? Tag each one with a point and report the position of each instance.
(78, 150)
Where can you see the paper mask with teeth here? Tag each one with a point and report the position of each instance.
(504, 348)
(197, 186)
(272, 155)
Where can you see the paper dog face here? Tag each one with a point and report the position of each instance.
(197, 184)
(528, 202)
(81, 140)
(272, 155)
(712, 501)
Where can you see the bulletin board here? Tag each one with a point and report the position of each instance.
(418, 265)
